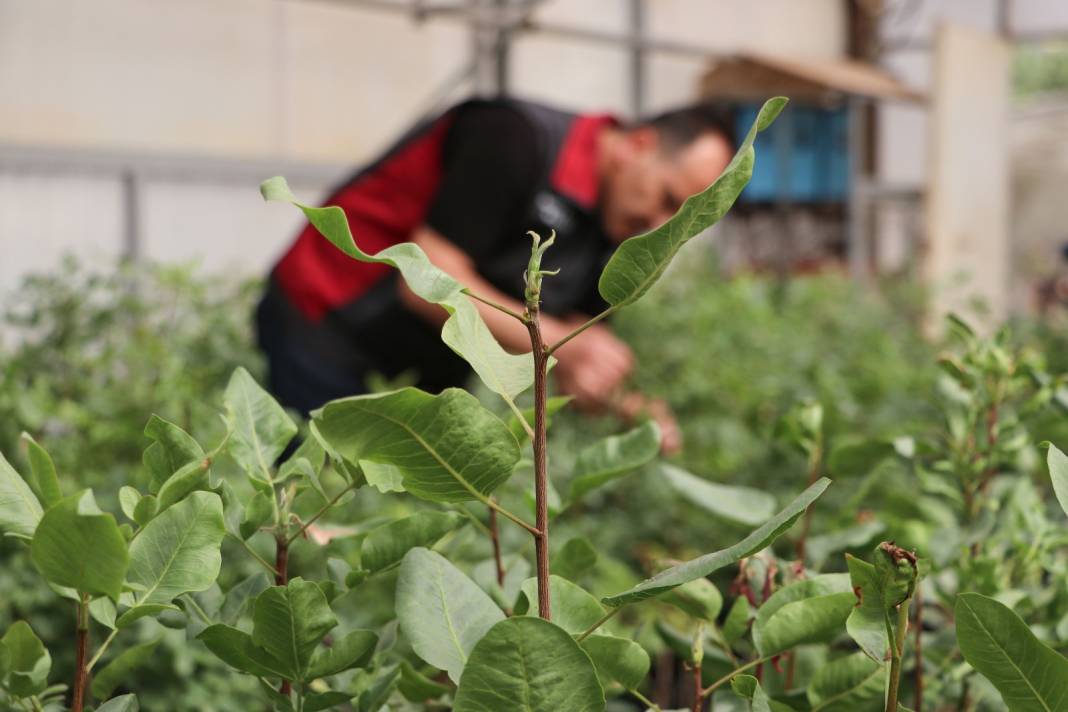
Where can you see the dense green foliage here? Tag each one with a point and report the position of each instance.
(859, 521)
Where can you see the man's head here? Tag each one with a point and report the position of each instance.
(647, 170)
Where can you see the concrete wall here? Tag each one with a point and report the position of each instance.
(323, 83)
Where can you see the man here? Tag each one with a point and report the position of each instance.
(466, 187)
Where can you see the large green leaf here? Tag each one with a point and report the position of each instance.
(25, 660)
(854, 683)
(351, 651)
(20, 511)
(178, 551)
(448, 447)
(528, 665)
(464, 331)
(614, 457)
(172, 448)
(261, 428)
(386, 545)
(699, 598)
(807, 611)
(1058, 472)
(1031, 676)
(573, 608)
(745, 505)
(78, 546)
(867, 622)
(44, 472)
(122, 703)
(638, 262)
(617, 660)
(115, 673)
(749, 687)
(235, 648)
(288, 623)
(575, 558)
(707, 564)
(442, 611)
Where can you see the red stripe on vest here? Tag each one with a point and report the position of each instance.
(384, 206)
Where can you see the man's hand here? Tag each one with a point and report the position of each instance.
(592, 367)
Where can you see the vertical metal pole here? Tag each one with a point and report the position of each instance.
(501, 49)
(857, 203)
(131, 238)
(637, 58)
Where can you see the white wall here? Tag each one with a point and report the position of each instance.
(312, 81)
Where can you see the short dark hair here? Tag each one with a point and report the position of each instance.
(680, 127)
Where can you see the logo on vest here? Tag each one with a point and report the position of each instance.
(553, 212)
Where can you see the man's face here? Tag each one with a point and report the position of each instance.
(645, 185)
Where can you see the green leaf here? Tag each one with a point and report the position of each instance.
(575, 558)
(190, 477)
(528, 665)
(442, 611)
(103, 611)
(172, 449)
(417, 687)
(258, 513)
(448, 447)
(261, 428)
(613, 457)
(638, 262)
(354, 650)
(20, 511)
(464, 331)
(146, 508)
(807, 611)
(384, 478)
(617, 660)
(702, 566)
(386, 545)
(79, 546)
(1029, 674)
(737, 622)
(748, 687)
(236, 649)
(118, 670)
(1058, 471)
(743, 505)
(26, 660)
(178, 551)
(44, 472)
(867, 622)
(138, 612)
(129, 497)
(238, 598)
(573, 608)
(288, 623)
(306, 461)
(122, 703)
(854, 683)
(699, 598)
(315, 701)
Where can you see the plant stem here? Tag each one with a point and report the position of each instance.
(600, 621)
(253, 553)
(918, 672)
(100, 651)
(897, 650)
(541, 477)
(813, 474)
(322, 510)
(727, 678)
(495, 305)
(645, 701)
(281, 578)
(495, 538)
(603, 315)
(698, 700)
(81, 646)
